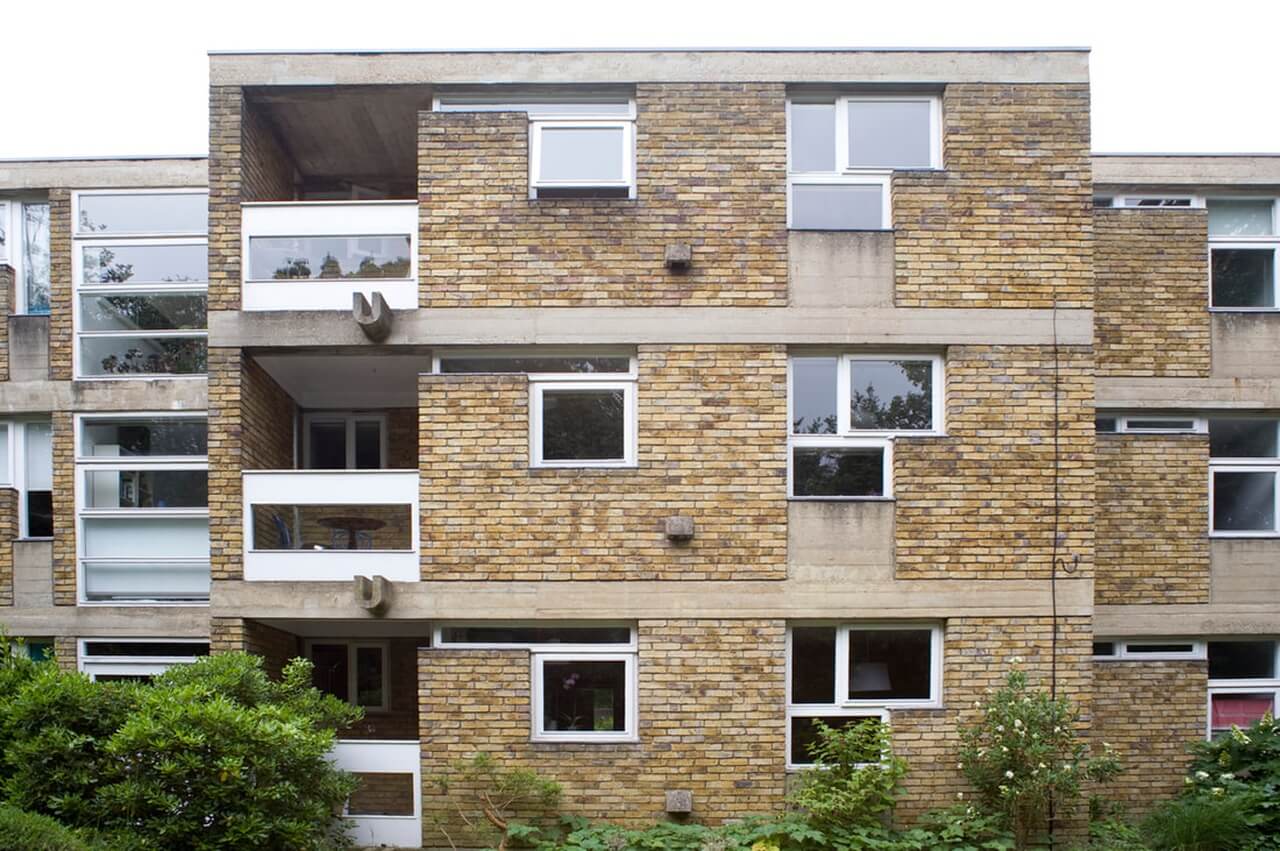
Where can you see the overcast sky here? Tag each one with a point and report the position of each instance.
(115, 78)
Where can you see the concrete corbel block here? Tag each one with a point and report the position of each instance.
(679, 802)
(373, 594)
(678, 527)
(678, 257)
(374, 319)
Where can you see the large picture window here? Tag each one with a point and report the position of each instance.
(135, 660)
(1244, 476)
(140, 263)
(845, 412)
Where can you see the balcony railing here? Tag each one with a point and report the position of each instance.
(317, 525)
(387, 808)
(312, 255)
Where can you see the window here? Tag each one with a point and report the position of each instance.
(290, 258)
(1156, 201)
(583, 677)
(24, 245)
(345, 441)
(1244, 468)
(847, 673)
(140, 263)
(1149, 424)
(1149, 649)
(1243, 244)
(354, 671)
(846, 410)
(1244, 683)
(582, 147)
(143, 508)
(136, 660)
(32, 465)
(842, 152)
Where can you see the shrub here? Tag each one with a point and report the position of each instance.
(23, 831)
(1200, 822)
(1024, 757)
(855, 776)
(488, 797)
(1244, 764)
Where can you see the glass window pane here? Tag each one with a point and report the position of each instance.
(536, 364)
(155, 312)
(146, 649)
(804, 734)
(144, 213)
(1104, 648)
(1240, 218)
(354, 526)
(583, 425)
(890, 134)
(582, 154)
(369, 674)
(6, 474)
(1243, 277)
(145, 437)
(39, 514)
(143, 355)
(149, 264)
(327, 445)
(838, 471)
(283, 258)
(146, 580)
(35, 256)
(368, 445)
(1244, 502)
(813, 137)
(329, 671)
(1104, 424)
(1239, 710)
(1242, 438)
(1152, 648)
(39, 460)
(814, 382)
(536, 634)
(1240, 660)
(891, 394)
(146, 489)
(890, 664)
(813, 664)
(146, 537)
(837, 206)
(583, 696)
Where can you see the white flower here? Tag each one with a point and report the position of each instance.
(1187, 781)
(1017, 660)
(1225, 777)
(1202, 775)
(1009, 774)
(977, 704)
(999, 728)
(1003, 749)
(1058, 730)
(1017, 722)
(1218, 790)
(959, 796)
(1004, 790)
(960, 766)
(1042, 765)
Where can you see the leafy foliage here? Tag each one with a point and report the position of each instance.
(22, 831)
(488, 797)
(855, 776)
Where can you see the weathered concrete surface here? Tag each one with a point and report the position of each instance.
(32, 574)
(840, 542)
(156, 394)
(846, 269)
(1186, 170)
(28, 348)
(1246, 345)
(1243, 571)
(1149, 621)
(1153, 394)
(897, 66)
(103, 173)
(106, 621)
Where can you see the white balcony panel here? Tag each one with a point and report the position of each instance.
(352, 488)
(378, 757)
(333, 219)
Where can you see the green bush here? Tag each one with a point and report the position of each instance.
(1200, 822)
(23, 831)
(855, 776)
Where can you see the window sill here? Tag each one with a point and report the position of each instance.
(37, 538)
(133, 604)
(1250, 310)
(585, 740)
(1235, 536)
(840, 230)
(148, 376)
(841, 499)
(581, 468)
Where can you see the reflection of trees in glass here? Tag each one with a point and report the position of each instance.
(1242, 277)
(108, 271)
(331, 267)
(294, 267)
(177, 356)
(35, 253)
(814, 425)
(582, 425)
(912, 411)
(146, 313)
(836, 472)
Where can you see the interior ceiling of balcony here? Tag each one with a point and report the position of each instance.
(347, 134)
(353, 629)
(332, 381)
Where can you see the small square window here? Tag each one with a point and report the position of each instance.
(1243, 709)
(840, 206)
(583, 424)
(1242, 660)
(838, 471)
(804, 735)
(891, 395)
(1241, 217)
(1244, 501)
(890, 664)
(586, 698)
(1244, 437)
(1244, 277)
(886, 133)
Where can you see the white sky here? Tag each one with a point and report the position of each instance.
(115, 78)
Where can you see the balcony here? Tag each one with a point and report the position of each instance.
(330, 525)
(387, 808)
(312, 255)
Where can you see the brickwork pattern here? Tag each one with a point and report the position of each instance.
(979, 502)
(402, 438)
(65, 652)
(1153, 526)
(250, 428)
(699, 728)
(64, 509)
(8, 531)
(266, 169)
(710, 171)
(1149, 712)
(711, 420)
(60, 298)
(1008, 223)
(384, 793)
(7, 300)
(275, 646)
(1152, 315)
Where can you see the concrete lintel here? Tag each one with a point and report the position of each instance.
(108, 621)
(103, 173)
(1186, 620)
(1186, 170)
(1183, 393)
(637, 600)
(611, 325)
(31, 397)
(644, 66)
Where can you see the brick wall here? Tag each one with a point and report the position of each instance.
(1153, 524)
(1150, 712)
(60, 300)
(266, 169)
(250, 428)
(1152, 315)
(712, 421)
(275, 646)
(8, 531)
(400, 721)
(979, 502)
(710, 170)
(700, 728)
(64, 509)
(65, 651)
(1008, 223)
(382, 794)
(402, 438)
(7, 296)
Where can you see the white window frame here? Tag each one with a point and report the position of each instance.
(350, 418)
(21, 477)
(13, 221)
(10, 429)
(1124, 650)
(850, 438)
(539, 658)
(352, 645)
(538, 387)
(1199, 424)
(6, 234)
(1260, 685)
(1133, 201)
(84, 464)
(821, 711)
(1243, 465)
(80, 241)
(137, 666)
(1271, 241)
(536, 181)
(848, 174)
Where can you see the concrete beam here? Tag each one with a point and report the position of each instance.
(897, 66)
(612, 325)
(156, 394)
(633, 600)
(1186, 620)
(1151, 394)
(104, 173)
(108, 621)
(1185, 170)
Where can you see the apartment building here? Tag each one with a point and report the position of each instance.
(618, 413)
